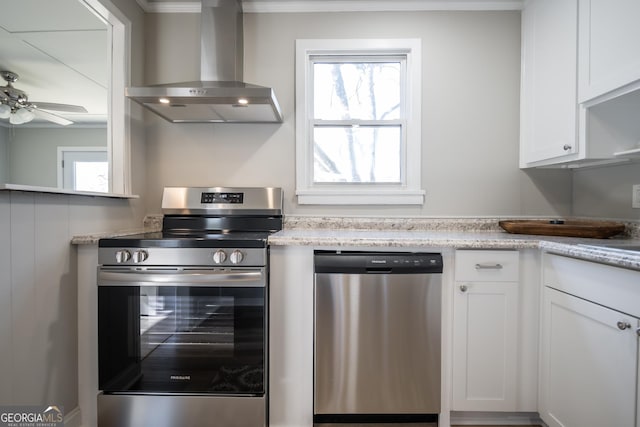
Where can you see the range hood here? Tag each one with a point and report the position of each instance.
(220, 95)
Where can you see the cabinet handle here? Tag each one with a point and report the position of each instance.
(623, 325)
(567, 147)
(464, 288)
(488, 266)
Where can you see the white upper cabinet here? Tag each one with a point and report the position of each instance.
(549, 107)
(580, 90)
(609, 48)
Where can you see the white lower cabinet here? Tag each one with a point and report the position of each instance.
(589, 344)
(485, 331)
(590, 366)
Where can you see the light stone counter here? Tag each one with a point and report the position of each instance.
(615, 257)
(403, 238)
(574, 247)
(456, 233)
(151, 224)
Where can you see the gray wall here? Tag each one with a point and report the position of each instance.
(3, 153)
(38, 271)
(471, 69)
(32, 153)
(605, 192)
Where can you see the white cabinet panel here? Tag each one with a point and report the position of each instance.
(549, 110)
(485, 331)
(609, 46)
(589, 368)
(485, 346)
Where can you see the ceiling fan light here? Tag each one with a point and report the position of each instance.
(15, 119)
(5, 111)
(24, 115)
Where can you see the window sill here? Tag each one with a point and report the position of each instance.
(52, 190)
(360, 197)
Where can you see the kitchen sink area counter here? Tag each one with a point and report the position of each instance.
(450, 233)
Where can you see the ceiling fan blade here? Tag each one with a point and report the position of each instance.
(51, 117)
(67, 108)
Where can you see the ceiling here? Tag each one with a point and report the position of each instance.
(59, 50)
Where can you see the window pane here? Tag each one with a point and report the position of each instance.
(356, 90)
(362, 154)
(91, 176)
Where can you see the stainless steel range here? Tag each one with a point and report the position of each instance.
(183, 313)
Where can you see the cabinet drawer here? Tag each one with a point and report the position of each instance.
(486, 266)
(609, 286)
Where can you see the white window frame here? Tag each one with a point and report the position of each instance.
(408, 191)
(61, 168)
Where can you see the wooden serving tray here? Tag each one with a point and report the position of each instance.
(591, 229)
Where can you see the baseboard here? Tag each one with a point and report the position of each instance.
(496, 418)
(73, 418)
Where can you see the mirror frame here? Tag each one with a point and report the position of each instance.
(118, 126)
(118, 111)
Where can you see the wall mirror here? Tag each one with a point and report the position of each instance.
(69, 59)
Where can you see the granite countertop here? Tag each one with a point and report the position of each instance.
(465, 235)
(403, 238)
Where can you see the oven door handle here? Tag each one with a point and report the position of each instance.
(194, 278)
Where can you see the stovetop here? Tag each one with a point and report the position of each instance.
(236, 239)
(219, 226)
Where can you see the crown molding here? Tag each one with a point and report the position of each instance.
(284, 6)
(151, 6)
(294, 6)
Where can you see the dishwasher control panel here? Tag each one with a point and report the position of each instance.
(357, 262)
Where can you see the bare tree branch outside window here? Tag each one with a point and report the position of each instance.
(346, 95)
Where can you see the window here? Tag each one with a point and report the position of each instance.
(83, 169)
(358, 122)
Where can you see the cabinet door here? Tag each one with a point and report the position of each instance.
(549, 110)
(589, 364)
(609, 46)
(485, 346)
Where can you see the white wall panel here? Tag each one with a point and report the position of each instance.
(26, 344)
(6, 352)
(55, 303)
(39, 290)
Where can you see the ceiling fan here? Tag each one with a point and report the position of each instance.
(15, 105)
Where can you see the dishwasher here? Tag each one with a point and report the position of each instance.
(377, 338)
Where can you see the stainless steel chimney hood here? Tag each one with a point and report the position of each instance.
(221, 95)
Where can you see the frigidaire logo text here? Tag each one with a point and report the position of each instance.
(181, 377)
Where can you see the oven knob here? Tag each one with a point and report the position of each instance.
(140, 256)
(123, 256)
(219, 256)
(236, 257)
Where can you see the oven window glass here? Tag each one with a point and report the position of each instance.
(181, 339)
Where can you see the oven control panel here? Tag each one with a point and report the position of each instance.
(182, 256)
(231, 198)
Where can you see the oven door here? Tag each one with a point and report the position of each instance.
(181, 330)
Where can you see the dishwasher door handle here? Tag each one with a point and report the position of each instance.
(381, 270)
